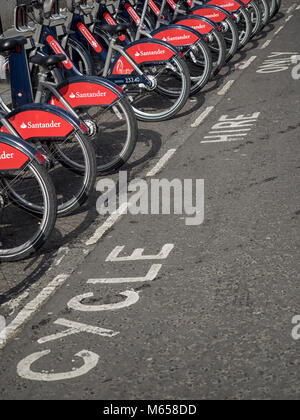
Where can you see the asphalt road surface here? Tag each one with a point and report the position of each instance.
(148, 307)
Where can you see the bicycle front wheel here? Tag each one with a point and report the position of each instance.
(199, 61)
(113, 133)
(168, 94)
(23, 232)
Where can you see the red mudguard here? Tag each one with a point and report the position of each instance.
(200, 26)
(11, 158)
(211, 14)
(143, 51)
(78, 92)
(176, 36)
(229, 5)
(38, 124)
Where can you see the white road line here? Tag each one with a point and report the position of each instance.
(266, 44)
(298, 7)
(247, 63)
(108, 224)
(226, 88)
(229, 131)
(290, 9)
(278, 30)
(161, 163)
(202, 116)
(289, 18)
(30, 309)
(239, 135)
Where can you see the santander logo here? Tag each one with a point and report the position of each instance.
(176, 38)
(31, 125)
(87, 95)
(147, 53)
(6, 156)
(213, 15)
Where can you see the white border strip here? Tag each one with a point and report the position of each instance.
(31, 308)
(226, 88)
(202, 117)
(161, 163)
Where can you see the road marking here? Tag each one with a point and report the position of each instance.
(277, 62)
(298, 7)
(266, 44)
(247, 63)
(161, 163)
(108, 224)
(278, 30)
(226, 88)
(150, 276)
(75, 303)
(289, 18)
(89, 358)
(31, 308)
(223, 139)
(231, 129)
(202, 116)
(291, 8)
(137, 254)
(76, 328)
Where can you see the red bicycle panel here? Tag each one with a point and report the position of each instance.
(211, 14)
(11, 158)
(176, 37)
(229, 5)
(85, 94)
(39, 124)
(142, 53)
(200, 26)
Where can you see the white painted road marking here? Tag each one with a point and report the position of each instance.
(150, 276)
(89, 358)
(266, 44)
(202, 116)
(277, 62)
(132, 298)
(247, 63)
(76, 328)
(31, 308)
(226, 88)
(278, 30)
(161, 163)
(231, 129)
(108, 224)
(137, 254)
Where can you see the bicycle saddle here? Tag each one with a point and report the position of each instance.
(11, 44)
(47, 61)
(116, 29)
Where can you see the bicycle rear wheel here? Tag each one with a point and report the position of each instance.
(23, 232)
